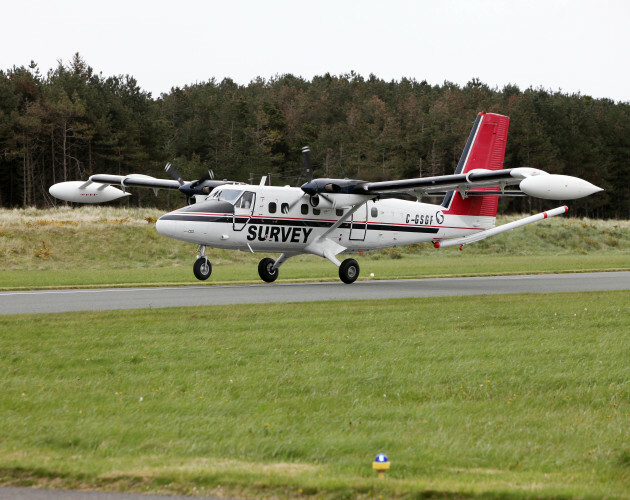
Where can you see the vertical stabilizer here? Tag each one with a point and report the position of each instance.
(485, 148)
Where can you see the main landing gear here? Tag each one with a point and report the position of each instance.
(349, 271)
(267, 271)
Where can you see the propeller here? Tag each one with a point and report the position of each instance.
(207, 176)
(308, 170)
(203, 185)
(170, 170)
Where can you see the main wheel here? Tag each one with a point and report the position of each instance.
(266, 270)
(202, 268)
(349, 271)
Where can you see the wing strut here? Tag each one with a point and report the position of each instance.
(327, 248)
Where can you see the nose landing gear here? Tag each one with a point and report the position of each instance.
(202, 268)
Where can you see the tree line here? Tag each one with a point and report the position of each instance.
(72, 123)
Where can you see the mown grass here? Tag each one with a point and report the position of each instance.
(114, 246)
(523, 396)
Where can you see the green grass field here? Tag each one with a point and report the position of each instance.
(100, 246)
(522, 396)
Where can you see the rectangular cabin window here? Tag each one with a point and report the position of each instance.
(304, 209)
(316, 211)
(284, 208)
(272, 207)
(339, 212)
(374, 212)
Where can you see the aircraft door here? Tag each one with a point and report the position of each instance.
(358, 224)
(243, 210)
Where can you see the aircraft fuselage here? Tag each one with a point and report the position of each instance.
(281, 219)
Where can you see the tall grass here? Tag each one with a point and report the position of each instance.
(498, 396)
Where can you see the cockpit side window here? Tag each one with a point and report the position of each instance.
(246, 201)
(229, 195)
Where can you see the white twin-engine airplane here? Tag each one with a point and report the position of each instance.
(329, 217)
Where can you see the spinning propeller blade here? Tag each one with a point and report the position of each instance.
(170, 170)
(308, 170)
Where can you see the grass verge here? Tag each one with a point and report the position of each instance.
(104, 246)
(520, 396)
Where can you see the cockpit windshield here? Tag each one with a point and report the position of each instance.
(229, 195)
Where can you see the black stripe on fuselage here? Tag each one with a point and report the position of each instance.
(200, 218)
(267, 221)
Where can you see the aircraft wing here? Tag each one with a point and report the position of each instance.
(476, 182)
(135, 180)
(427, 185)
(100, 188)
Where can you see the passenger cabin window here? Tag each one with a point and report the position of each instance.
(374, 212)
(339, 212)
(284, 208)
(304, 209)
(272, 207)
(316, 211)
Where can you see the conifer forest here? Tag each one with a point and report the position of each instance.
(72, 122)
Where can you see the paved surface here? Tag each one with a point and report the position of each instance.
(34, 494)
(133, 298)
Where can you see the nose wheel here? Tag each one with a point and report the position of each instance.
(202, 268)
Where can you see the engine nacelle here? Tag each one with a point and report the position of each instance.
(85, 192)
(317, 201)
(557, 187)
(338, 200)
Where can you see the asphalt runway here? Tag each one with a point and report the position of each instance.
(47, 301)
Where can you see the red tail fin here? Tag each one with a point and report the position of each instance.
(485, 148)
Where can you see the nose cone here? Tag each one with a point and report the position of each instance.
(164, 226)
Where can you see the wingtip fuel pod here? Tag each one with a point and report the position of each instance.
(557, 187)
(85, 192)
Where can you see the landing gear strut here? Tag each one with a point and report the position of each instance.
(202, 267)
(267, 271)
(349, 271)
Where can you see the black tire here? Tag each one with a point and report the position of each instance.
(266, 270)
(349, 271)
(202, 268)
